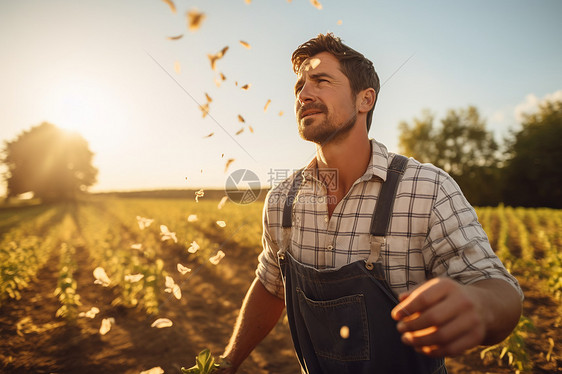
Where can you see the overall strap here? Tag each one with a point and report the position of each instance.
(288, 209)
(383, 210)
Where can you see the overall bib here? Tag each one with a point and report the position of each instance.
(340, 319)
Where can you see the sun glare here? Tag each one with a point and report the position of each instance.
(91, 109)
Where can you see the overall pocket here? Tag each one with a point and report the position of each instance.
(338, 328)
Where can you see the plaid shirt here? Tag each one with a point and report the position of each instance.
(434, 231)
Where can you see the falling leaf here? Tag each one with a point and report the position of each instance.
(266, 105)
(221, 223)
(106, 325)
(199, 194)
(209, 99)
(316, 3)
(344, 332)
(280, 113)
(251, 129)
(144, 222)
(246, 87)
(195, 19)
(154, 370)
(228, 162)
(222, 155)
(192, 218)
(314, 62)
(217, 258)
(171, 5)
(134, 277)
(137, 246)
(209, 135)
(177, 37)
(166, 234)
(215, 57)
(101, 277)
(177, 67)
(183, 269)
(161, 323)
(172, 287)
(236, 83)
(241, 119)
(222, 202)
(194, 247)
(90, 313)
(245, 44)
(340, 22)
(223, 77)
(204, 109)
(239, 131)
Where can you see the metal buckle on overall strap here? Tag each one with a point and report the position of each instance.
(377, 244)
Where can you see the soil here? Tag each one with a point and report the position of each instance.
(32, 340)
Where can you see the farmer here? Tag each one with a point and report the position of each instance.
(379, 260)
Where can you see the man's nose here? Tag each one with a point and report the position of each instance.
(305, 95)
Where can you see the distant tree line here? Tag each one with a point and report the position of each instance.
(524, 171)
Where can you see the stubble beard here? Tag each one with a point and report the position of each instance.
(326, 131)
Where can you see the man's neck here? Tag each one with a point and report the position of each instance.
(350, 157)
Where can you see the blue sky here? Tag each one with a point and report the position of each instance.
(106, 69)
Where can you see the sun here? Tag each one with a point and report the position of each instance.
(87, 107)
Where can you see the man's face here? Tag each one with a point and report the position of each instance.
(324, 105)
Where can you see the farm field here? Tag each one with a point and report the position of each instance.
(49, 254)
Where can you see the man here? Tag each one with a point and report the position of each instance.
(394, 293)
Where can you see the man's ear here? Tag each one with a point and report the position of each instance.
(366, 99)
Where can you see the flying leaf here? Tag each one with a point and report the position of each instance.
(222, 202)
(209, 135)
(314, 62)
(251, 129)
(194, 19)
(221, 223)
(101, 277)
(209, 99)
(171, 5)
(199, 194)
(217, 258)
(106, 325)
(161, 323)
(137, 246)
(177, 67)
(183, 269)
(340, 22)
(280, 113)
(133, 277)
(228, 162)
(316, 3)
(213, 58)
(194, 247)
(144, 222)
(166, 234)
(266, 105)
(344, 332)
(154, 370)
(172, 287)
(239, 131)
(246, 87)
(245, 44)
(90, 313)
(177, 37)
(192, 218)
(241, 119)
(204, 109)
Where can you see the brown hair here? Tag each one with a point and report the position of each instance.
(358, 69)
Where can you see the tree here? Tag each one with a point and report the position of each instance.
(461, 146)
(533, 175)
(53, 163)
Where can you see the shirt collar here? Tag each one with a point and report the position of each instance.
(377, 167)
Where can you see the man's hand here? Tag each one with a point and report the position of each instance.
(444, 318)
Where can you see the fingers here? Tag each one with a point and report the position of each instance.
(423, 297)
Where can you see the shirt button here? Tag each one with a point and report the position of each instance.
(330, 248)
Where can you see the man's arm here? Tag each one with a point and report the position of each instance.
(259, 313)
(445, 318)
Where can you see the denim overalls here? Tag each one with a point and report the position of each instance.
(340, 319)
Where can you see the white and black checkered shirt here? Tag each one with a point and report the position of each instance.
(433, 231)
